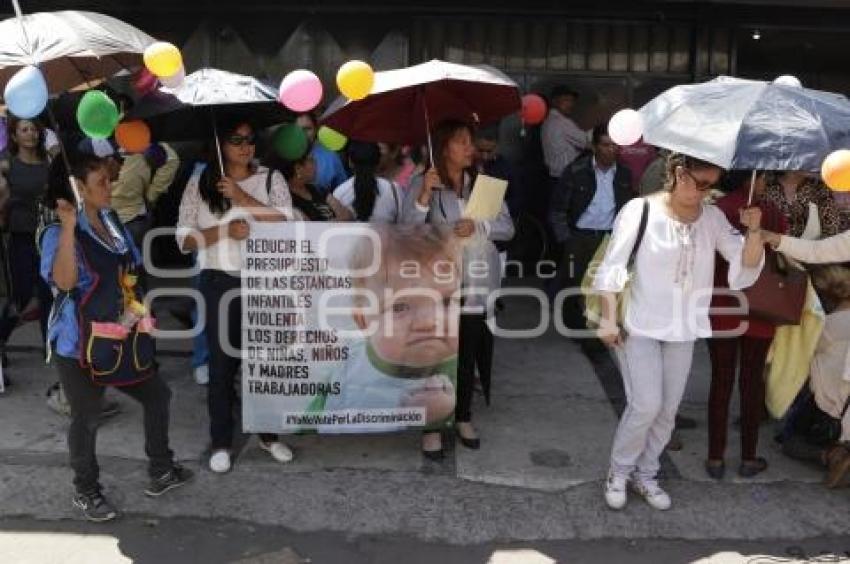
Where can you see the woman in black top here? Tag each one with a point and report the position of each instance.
(306, 198)
(22, 187)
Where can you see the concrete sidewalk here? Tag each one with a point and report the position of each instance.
(538, 476)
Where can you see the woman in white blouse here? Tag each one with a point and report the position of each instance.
(669, 294)
(216, 214)
(365, 195)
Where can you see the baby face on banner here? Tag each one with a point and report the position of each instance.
(415, 328)
(418, 326)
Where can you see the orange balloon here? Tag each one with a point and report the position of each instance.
(133, 136)
(836, 170)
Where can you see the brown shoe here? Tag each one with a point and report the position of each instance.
(838, 474)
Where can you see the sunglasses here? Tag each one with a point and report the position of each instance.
(700, 185)
(239, 140)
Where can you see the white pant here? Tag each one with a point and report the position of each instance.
(655, 374)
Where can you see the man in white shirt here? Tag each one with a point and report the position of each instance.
(562, 139)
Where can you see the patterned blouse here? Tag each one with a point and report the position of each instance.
(797, 211)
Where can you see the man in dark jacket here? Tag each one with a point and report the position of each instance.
(584, 204)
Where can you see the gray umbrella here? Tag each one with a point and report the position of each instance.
(748, 124)
(71, 48)
(188, 112)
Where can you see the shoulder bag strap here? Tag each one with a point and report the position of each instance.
(644, 217)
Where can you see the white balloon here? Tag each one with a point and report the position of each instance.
(175, 80)
(626, 127)
(788, 80)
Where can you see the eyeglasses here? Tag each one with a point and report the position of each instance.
(240, 140)
(700, 185)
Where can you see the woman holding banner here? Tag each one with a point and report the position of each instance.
(664, 246)
(216, 213)
(439, 197)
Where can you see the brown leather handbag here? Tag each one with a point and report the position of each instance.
(779, 294)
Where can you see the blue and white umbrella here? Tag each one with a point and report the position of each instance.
(749, 124)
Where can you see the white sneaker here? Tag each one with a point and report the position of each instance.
(615, 491)
(202, 375)
(278, 450)
(220, 461)
(652, 493)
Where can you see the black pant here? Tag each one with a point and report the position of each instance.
(85, 398)
(578, 251)
(23, 264)
(224, 325)
(475, 349)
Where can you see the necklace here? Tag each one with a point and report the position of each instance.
(688, 218)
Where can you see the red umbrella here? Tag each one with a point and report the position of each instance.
(405, 103)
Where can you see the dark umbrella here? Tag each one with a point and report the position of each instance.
(189, 111)
(71, 48)
(405, 103)
(748, 124)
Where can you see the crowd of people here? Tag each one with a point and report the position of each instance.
(667, 229)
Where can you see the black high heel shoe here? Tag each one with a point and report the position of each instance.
(715, 470)
(472, 444)
(435, 455)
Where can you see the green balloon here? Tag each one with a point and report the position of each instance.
(97, 115)
(333, 140)
(290, 142)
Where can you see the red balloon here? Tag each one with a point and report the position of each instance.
(533, 109)
(144, 82)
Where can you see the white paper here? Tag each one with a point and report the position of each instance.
(487, 197)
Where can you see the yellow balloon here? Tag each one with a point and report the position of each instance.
(163, 59)
(355, 80)
(836, 170)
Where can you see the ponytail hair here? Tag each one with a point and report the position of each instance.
(364, 158)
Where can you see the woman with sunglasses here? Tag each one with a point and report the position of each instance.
(216, 214)
(670, 288)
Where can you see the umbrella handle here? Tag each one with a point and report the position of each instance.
(752, 188)
(427, 126)
(218, 151)
(217, 144)
(64, 154)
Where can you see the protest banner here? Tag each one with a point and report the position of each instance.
(349, 327)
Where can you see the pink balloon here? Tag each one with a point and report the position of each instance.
(300, 91)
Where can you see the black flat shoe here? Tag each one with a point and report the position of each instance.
(750, 468)
(716, 471)
(473, 444)
(434, 455)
